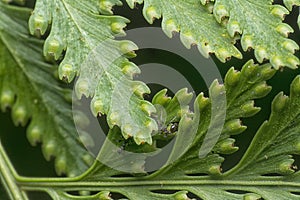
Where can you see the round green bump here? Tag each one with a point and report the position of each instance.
(209, 6)
(183, 96)
(251, 196)
(151, 125)
(53, 48)
(128, 48)
(216, 89)
(220, 13)
(276, 62)
(128, 129)
(105, 7)
(293, 62)
(215, 170)
(234, 127)
(117, 28)
(140, 89)
(20, 115)
(187, 39)
(37, 25)
(286, 167)
(261, 90)
(232, 77)
(61, 165)
(88, 159)
(261, 54)
(267, 72)
(97, 107)
(142, 138)
(204, 49)
(181, 195)
(249, 109)
(104, 195)
(82, 88)
(284, 29)
(223, 54)
(279, 102)
(247, 42)
(148, 108)
(67, 72)
(169, 27)
(202, 101)
(49, 149)
(289, 4)
(227, 146)
(233, 28)
(151, 13)
(130, 70)
(34, 134)
(295, 86)
(114, 118)
(7, 99)
(290, 45)
(161, 98)
(279, 11)
(250, 69)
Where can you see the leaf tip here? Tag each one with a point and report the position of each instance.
(38, 25)
(150, 13)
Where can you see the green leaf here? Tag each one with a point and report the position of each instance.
(28, 87)
(196, 26)
(261, 28)
(276, 140)
(217, 118)
(252, 178)
(91, 52)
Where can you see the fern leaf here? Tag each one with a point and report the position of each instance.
(105, 72)
(196, 26)
(252, 178)
(270, 142)
(28, 87)
(261, 28)
(220, 118)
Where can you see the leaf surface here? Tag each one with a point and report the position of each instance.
(86, 39)
(29, 88)
(195, 24)
(192, 176)
(261, 28)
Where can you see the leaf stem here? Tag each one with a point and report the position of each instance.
(69, 185)
(7, 177)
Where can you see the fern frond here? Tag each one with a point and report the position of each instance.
(195, 24)
(219, 117)
(252, 178)
(261, 28)
(91, 52)
(28, 86)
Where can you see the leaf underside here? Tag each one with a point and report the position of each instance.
(101, 63)
(29, 88)
(258, 25)
(191, 176)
